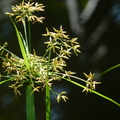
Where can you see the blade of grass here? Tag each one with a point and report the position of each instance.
(6, 80)
(22, 47)
(105, 97)
(30, 110)
(118, 65)
(25, 32)
(29, 36)
(24, 44)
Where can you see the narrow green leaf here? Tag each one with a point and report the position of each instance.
(6, 80)
(24, 44)
(97, 93)
(30, 109)
(101, 95)
(118, 65)
(22, 47)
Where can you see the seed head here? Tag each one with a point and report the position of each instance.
(26, 10)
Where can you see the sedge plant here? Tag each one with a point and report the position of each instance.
(40, 72)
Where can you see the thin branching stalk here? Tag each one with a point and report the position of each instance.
(25, 32)
(75, 77)
(29, 36)
(5, 80)
(111, 68)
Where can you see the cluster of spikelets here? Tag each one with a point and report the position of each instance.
(27, 10)
(90, 83)
(43, 69)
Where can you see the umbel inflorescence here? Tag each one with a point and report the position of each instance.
(27, 10)
(42, 67)
(41, 70)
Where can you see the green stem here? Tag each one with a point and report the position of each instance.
(111, 68)
(29, 36)
(48, 114)
(30, 110)
(5, 80)
(25, 31)
(26, 37)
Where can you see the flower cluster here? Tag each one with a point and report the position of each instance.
(61, 44)
(62, 96)
(16, 69)
(26, 10)
(90, 84)
(43, 69)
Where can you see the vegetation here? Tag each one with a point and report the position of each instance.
(39, 72)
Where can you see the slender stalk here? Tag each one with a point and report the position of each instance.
(6, 80)
(30, 110)
(73, 77)
(29, 36)
(48, 113)
(25, 31)
(111, 68)
(26, 37)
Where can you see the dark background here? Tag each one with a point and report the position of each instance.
(98, 32)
